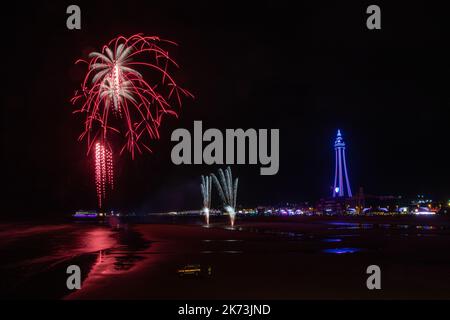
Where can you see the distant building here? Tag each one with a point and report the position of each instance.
(341, 197)
(333, 206)
(340, 189)
(343, 201)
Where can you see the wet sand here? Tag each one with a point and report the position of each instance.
(262, 258)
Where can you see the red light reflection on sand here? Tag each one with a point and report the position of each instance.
(98, 239)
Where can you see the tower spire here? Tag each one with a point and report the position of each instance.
(340, 169)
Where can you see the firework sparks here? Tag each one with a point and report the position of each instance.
(227, 191)
(206, 193)
(116, 97)
(114, 87)
(104, 175)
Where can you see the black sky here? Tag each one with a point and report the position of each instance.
(307, 69)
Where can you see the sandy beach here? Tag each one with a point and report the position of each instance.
(262, 258)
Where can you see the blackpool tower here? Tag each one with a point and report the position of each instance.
(340, 171)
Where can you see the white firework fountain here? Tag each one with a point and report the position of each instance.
(206, 193)
(227, 191)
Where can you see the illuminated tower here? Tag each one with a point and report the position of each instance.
(340, 171)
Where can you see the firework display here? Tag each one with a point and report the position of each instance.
(114, 87)
(206, 193)
(228, 191)
(117, 98)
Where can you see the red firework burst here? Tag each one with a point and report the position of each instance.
(115, 97)
(114, 87)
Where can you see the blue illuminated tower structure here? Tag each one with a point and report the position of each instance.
(340, 171)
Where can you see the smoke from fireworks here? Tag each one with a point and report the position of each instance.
(206, 193)
(104, 174)
(227, 191)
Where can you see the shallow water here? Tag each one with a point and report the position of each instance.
(35, 258)
(342, 250)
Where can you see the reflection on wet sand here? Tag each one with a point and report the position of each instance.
(122, 256)
(139, 261)
(342, 250)
(35, 259)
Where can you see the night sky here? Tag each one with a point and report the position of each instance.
(307, 69)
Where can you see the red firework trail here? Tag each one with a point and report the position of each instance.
(103, 171)
(113, 87)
